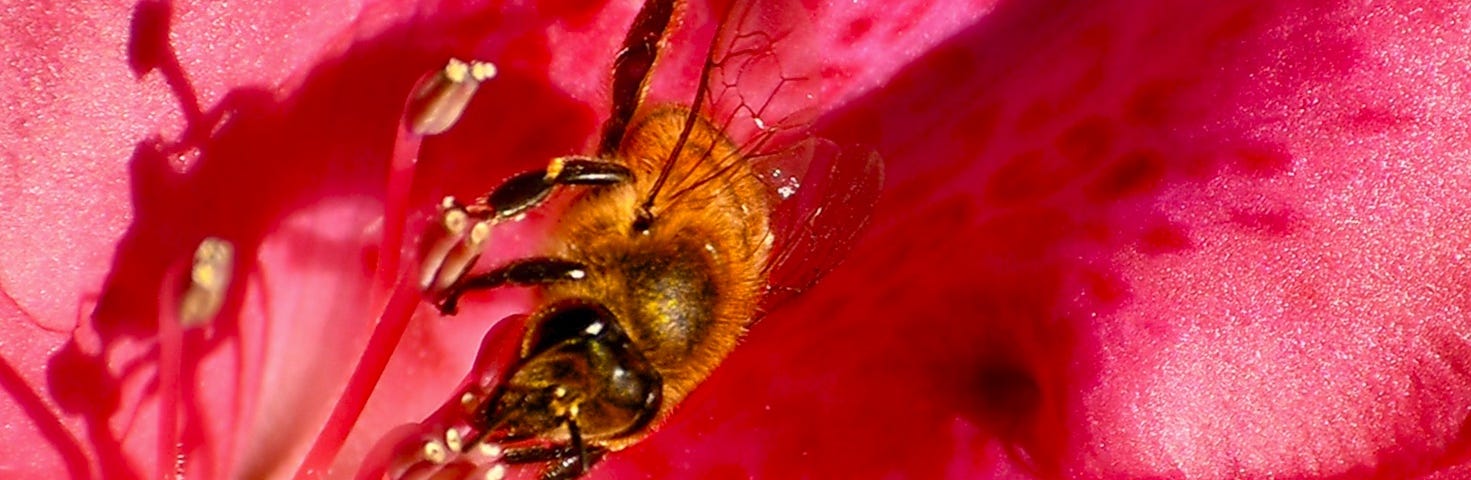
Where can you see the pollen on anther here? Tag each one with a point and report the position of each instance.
(458, 258)
(439, 246)
(482, 71)
(456, 70)
(478, 233)
(496, 472)
(467, 401)
(488, 449)
(434, 452)
(453, 440)
(209, 279)
(441, 98)
(454, 221)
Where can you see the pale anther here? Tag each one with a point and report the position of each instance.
(209, 279)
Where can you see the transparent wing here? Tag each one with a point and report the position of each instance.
(825, 196)
(754, 86)
(759, 86)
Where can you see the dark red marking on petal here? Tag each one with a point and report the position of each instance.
(577, 13)
(1134, 173)
(857, 29)
(1164, 238)
(1271, 222)
(1236, 25)
(1026, 177)
(1088, 141)
(1159, 103)
(1261, 161)
(1034, 116)
(975, 131)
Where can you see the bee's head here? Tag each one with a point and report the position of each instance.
(576, 365)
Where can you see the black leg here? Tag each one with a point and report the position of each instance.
(519, 273)
(454, 245)
(562, 462)
(529, 189)
(572, 466)
(539, 453)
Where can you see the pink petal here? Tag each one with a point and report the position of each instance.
(1119, 240)
(1177, 241)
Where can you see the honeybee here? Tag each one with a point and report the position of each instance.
(678, 237)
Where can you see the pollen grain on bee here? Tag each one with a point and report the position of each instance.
(209, 280)
(554, 168)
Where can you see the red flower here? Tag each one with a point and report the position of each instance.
(1117, 240)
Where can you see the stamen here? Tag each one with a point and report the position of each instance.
(488, 449)
(453, 440)
(439, 241)
(462, 255)
(209, 279)
(469, 401)
(496, 472)
(434, 452)
(440, 100)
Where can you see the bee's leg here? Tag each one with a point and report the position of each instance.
(563, 462)
(573, 466)
(450, 250)
(520, 273)
(529, 189)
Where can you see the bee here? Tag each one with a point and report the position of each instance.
(677, 238)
